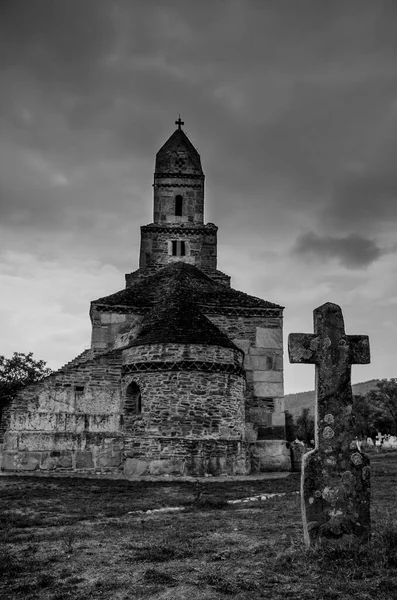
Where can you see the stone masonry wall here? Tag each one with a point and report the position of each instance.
(192, 192)
(200, 247)
(177, 352)
(194, 405)
(112, 329)
(190, 421)
(187, 403)
(261, 340)
(69, 422)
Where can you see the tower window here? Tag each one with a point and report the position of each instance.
(178, 248)
(178, 205)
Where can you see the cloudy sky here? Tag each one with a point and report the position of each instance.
(293, 108)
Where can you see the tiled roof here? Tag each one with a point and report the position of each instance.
(148, 291)
(176, 319)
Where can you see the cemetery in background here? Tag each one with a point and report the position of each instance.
(375, 408)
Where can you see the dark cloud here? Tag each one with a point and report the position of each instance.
(55, 41)
(279, 98)
(352, 251)
(366, 199)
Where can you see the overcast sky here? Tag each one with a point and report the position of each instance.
(292, 105)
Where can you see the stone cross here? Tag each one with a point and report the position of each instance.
(335, 484)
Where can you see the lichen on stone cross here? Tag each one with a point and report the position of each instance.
(335, 484)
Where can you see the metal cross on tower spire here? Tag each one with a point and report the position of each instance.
(179, 122)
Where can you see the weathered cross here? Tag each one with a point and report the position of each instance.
(335, 475)
(179, 122)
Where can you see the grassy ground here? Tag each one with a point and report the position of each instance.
(70, 538)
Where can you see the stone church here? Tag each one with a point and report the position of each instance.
(184, 376)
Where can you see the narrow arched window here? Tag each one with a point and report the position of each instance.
(178, 205)
(133, 400)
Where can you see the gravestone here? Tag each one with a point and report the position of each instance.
(335, 481)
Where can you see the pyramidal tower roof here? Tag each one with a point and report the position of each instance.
(178, 155)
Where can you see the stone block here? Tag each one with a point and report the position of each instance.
(268, 389)
(278, 419)
(108, 423)
(247, 362)
(10, 461)
(244, 345)
(220, 465)
(269, 338)
(254, 351)
(49, 461)
(269, 376)
(65, 460)
(249, 376)
(260, 416)
(195, 466)
(10, 441)
(18, 421)
(81, 423)
(108, 459)
(61, 421)
(29, 461)
(251, 433)
(107, 318)
(84, 459)
(279, 404)
(270, 455)
(258, 363)
(135, 467)
(166, 467)
(50, 441)
(242, 466)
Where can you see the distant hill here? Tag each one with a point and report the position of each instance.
(294, 403)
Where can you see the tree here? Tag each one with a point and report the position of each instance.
(305, 427)
(383, 403)
(17, 372)
(365, 417)
(289, 427)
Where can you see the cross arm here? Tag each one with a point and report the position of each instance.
(359, 348)
(302, 347)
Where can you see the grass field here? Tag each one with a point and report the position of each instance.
(86, 539)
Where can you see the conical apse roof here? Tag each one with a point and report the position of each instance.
(176, 319)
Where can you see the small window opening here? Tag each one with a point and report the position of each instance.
(178, 248)
(78, 391)
(178, 205)
(133, 400)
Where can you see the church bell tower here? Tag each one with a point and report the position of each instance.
(178, 232)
